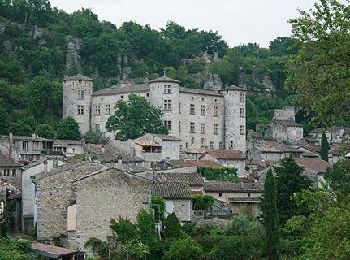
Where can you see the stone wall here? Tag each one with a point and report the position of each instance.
(104, 196)
(181, 207)
(287, 113)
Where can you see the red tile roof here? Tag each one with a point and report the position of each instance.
(51, 250)
(226, 154)
(315, 165)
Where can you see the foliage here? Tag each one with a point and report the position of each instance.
(324, 147)
(11, 249)
(134, 118)
(219, 173)
(97, 246)
(289, 180)
(338, 177)
(270, 216)
(124, 230)
(184, 249)
(68, 129)
(202, 202)
(319, 72)
(172, 227)
(158, 206)
(95, 137)
(45, 131)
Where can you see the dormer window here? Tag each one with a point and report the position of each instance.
(81, 94)
(167, 89)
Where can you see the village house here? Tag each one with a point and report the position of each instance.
(69, 148)
(211, 118)
(43, 166)
(242, 197)
(177, 196)
(314, 169)
(99, 196)
(227, 158)
(283, 127)
(334, 135)
(10, 170)
(152, 147)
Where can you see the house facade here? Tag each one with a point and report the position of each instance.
(214, 119)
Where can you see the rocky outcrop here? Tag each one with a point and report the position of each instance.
(73, 55)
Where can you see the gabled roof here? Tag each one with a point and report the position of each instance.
(313, 165)
(190, 178)
(171, 190)
(225, 186)
(6, 161)
(78, 77)
(226, 154)
(115, 90)
(275, 147)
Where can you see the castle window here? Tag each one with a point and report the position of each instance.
(186, 145)
(192, 127)
(108, 109)
(147, 94)
(241, 112)
(97, 128)
(242, 97)
(215, 100)
(203, 110)
(211, 145)
(192, 140)
(221, 145)
(80, 110)
(216, 129)
(167, 124)
(202, 99)
(81, 94)
(216, 110)
(167, 104)
(7, 172)
(167, 89)
(231, 144)
(13, 172)
(179, 108)
(202, 128)
(242, 130)
(203, 141)
(179, 126)
(98, 110)
(25, 145)
(192, 109)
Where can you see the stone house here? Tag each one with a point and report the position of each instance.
(177, 196)
(28, 189)
(314, 169)
(69, 148)
(334, 135)
(242, 197)
(26, 149)
(54, 195)
(227, 158)
(212, 119)
(100, 196)
(283, 127)
(10, 170)
(152, 147)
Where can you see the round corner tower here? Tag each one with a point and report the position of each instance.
(235, 118)
(77, 92)
(165, 95)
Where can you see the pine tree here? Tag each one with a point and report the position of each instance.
(270, 216)
(324, 147)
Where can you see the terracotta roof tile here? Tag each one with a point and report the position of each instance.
(6, 161)
(53, 250)
(313, 165)
(171, 190)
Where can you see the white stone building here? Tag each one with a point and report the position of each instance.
(213, 119)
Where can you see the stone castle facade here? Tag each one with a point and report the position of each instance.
(202, 118)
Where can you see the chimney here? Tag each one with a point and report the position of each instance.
(11, 144)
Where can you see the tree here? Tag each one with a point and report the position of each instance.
(95, 137)
(68, 129)
(45, 131)
(270, 216)
(134, 118)
(290, 180)
(172, 227)
(324, 147)
(319, 72)
(184, 249)
(338, 177)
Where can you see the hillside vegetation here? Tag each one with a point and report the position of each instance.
(41, 44)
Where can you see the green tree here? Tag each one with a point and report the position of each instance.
(184, 249)
(270, 216)
(290, 180)
(172, 227)
(45, 131)
(68, 129)
(338, 177)
(324, 147)
(319, 72)
(95, 137)
(134, 118)
(158, 207)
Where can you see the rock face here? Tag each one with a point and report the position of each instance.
(213, 82)
(73, 55)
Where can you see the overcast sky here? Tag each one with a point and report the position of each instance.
(238, 21)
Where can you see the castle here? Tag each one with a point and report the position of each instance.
(212, 118)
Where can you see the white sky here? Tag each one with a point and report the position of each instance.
(238, 21)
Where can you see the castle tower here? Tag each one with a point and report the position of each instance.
(235, 118)
(164, 94)
(77, 91)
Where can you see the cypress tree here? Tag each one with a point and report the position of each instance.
(270, 216)
(324, 147)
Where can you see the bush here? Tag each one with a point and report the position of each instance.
(183, 250)
(202, 202)
(219, 173)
